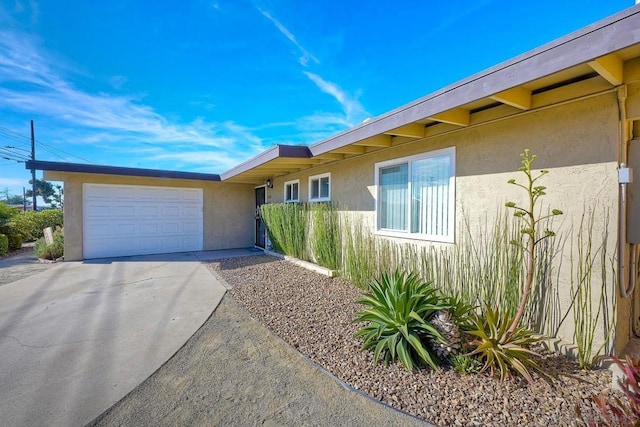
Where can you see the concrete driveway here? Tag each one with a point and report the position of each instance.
(79, 336)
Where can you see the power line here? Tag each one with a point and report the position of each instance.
(26, 141)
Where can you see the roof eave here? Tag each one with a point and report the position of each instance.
(115, 170)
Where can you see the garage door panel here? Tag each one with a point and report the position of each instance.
(121, 220)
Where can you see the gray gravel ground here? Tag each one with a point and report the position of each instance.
(314, 314)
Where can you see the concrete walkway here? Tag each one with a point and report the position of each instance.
(77, 337)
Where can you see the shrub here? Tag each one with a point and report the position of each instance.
(30, 224)
(399, 309)
(51, 251)
(4, 244)
(15, 238)
(6, 213)
(15, 241)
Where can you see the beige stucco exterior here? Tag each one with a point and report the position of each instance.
(577, 142)
(228, 208)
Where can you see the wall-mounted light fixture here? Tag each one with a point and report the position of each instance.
(269, 183)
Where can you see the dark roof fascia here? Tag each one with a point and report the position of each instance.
(115, 170)
(611, 34)
(275, 152)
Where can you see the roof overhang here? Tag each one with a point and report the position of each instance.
(113, 170)
(595, 54)
(276, 161)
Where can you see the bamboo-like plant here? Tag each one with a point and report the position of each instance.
(286, 225)
(326, 235)
(585, 317)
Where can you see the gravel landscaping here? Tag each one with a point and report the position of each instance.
(314, 314)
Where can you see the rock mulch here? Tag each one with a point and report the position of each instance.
(314, 314)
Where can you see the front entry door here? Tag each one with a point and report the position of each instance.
(260, 228)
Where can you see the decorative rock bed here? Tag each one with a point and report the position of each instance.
(315, 315)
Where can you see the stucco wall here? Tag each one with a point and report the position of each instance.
(228, 208)
(576, 142)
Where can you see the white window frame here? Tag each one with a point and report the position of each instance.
(317, 178)
(448, 238)
(288, 183)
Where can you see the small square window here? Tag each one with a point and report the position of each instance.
(320, 188)
(292, 191)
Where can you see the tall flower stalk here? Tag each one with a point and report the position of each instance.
(530, 228)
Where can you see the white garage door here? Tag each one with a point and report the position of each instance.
(122, 220)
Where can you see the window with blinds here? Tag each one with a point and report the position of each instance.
(292, 191)
(416, 196)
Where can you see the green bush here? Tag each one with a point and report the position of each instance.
(15, 237)
(4, 244)
(400, 307)
(52, 251)
(15, 241)
(6, 213)
(30, 224)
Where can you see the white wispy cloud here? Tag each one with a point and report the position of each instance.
(319, 125)
(306, 55)
(33, 82)
(353, 110)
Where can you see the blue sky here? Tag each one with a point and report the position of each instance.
(201, 86)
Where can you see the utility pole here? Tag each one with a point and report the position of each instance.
(24, 199)
(33, 170)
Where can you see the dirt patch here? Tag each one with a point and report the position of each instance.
(234, 372)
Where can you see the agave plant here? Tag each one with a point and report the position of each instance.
(398, 313)
(501, 350)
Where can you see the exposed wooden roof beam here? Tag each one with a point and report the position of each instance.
(375, 141)
(518, 97)
(458, 117)
(610, 67)
(412, 130)
(330, 156)
(350, 149)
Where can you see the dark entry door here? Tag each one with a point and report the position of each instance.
(260, 228)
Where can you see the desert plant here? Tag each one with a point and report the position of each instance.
(465, 364)
(50, 251)
(613, 411)
(4, 244)
(398, 313)
(530, 229)
(500, 350)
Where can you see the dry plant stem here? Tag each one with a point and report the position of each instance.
(534, 193)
